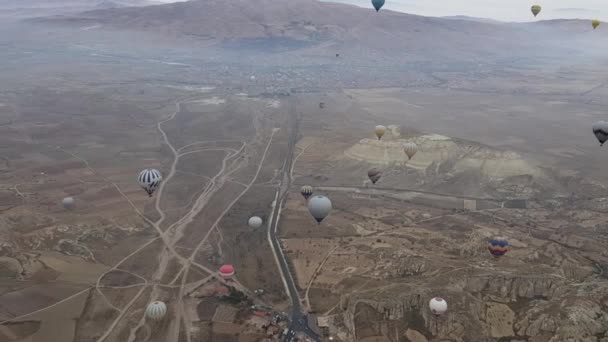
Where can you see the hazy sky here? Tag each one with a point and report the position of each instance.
(506, 10)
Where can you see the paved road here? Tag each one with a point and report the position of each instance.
(298, 320)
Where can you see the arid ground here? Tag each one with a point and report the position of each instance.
(505, 149)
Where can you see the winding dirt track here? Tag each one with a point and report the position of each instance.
(174, 233)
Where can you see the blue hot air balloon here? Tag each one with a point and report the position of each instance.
(498, 246)
(378, 4)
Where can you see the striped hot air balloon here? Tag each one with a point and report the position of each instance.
(156, 311)
(498, 246)
(149, 180)
(306, 191)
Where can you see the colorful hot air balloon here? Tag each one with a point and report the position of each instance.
(227, 271)
(156, 311)
(595, 23)
(378, 4)
(380, 130)
(149, 180)
(600, 129)
(498, 246)
(374, 175)
(255, 222)
(438, 306)
(306, 191)
(536, 9)
(68, 203)
(319, 207)
(410, 149)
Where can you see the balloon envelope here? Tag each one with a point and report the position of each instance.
(319, 207)
(255, 222)
(410, 149)
(227, 271)
(536, 9)
(156, 310)
(149, 180)
(68, 202)
(438, 306)
(600, 130)
(374, 175)
(378, 4)
(306, 191)
(595, 23)
(380, 130)
(498, 246)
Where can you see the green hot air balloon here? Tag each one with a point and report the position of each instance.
(378, 4)
(595, 23)
(536, 9)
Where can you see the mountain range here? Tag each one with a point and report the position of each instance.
(314, 22)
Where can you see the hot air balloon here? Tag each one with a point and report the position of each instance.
(255, 222)
(600, 129)
(378, 4)
(68, 203)
(374, 175)
(595, 23)
(306, 191)
(410, 149)
(536, 9)
(149, 180)
(319, 207)
(226, 271)
(438, 306)
(156, 311)
(380, 130)
(498, 246)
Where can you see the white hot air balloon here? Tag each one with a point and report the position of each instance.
(410, 149)
(156, 311)
(149, 180)
(255, 222)
(438, 306)
(68, 202)
(319, 207)
(380, 130)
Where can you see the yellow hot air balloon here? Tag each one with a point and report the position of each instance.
(536, 9)
(380, 130)
(595, 23)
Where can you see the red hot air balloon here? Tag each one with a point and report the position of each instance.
(227, 271)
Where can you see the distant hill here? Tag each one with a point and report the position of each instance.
(8, 4)
(348, 26)
(21, 9)
(465, 17)
(108, 4)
